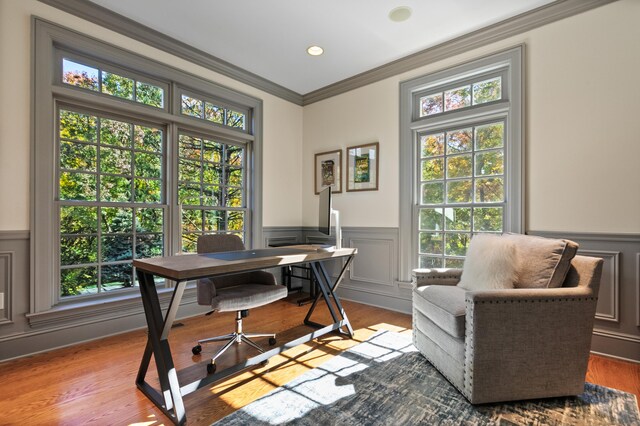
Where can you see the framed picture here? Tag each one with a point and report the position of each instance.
(328, 171)
(362, 167)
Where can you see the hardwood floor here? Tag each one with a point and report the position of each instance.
(93, 383)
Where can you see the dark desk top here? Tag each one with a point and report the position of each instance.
(193, 266)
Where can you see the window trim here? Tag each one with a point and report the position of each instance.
(47, 40)
(511, 63)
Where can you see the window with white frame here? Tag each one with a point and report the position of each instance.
(134, 174)
(461, 159)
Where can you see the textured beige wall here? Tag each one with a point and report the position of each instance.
(582, 121)
(282, 119)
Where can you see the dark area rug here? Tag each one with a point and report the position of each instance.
(385, 381)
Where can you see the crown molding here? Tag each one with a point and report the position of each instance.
(121, 24)
(518, 24)
(509, 27)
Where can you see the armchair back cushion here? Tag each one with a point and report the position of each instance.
(542, 262)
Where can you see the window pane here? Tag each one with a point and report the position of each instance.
(487, 219)
(457, 219)
(148, 191)
(432, 193)
(235, 221)
(189, 195)
(114, 277)
(115, 133)
(459, 191)
(115, 189)
(234, 176)
(459, 141)
(431, 104)
(490, 136)
(487, 90)
(457, 244)
(79, 75)
(214, 220)
(189, 243)
(116, 220)
(211, 196)
(150, 245)
(235, 119)
(234, 155)
(147, 139)
(189, 171)
(432, 144)
(450, 262)
(489, 190)
(191, 106)
(213, 113)
(149, 220)
(212, 151)
(116, 161)
(433, 169)
(78, 220)
(457, 98)
(78, 250)
(79, 127)
(189, 147)
(459, 166)
(429, 262)
(149, 94)
(490, 163)
(211, 173)
(148, 165)
(233, 197)
(115, 85)
(77, 156)
(191, 220)
(77, 186)
(430, 219)
(78, 281)
(117, 247)
(431, 242)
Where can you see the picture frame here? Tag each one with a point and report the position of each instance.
(363, 167)
(328, 171)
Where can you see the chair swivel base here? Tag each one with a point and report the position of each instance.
(238, 336)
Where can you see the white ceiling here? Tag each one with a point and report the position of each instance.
(270, 38)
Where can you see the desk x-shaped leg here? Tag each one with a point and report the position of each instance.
(170, 399)
(327, 291)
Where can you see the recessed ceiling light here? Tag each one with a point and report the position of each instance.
(315, 50)
(400, 14)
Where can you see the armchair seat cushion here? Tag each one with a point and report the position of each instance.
(444, 306)
(247, 296)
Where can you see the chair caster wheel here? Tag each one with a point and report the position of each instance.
(264, 363)
(196, 349)
(211, 368)
(272, 341)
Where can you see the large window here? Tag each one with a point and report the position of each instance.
(143, 159)
(461, 159)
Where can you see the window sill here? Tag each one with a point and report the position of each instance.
(117, 306)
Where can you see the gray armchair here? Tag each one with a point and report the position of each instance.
(508, 344)
(234, 293)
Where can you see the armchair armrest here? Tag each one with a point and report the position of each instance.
(542, 337)
(436, 276)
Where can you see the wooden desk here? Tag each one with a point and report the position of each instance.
(193, 266)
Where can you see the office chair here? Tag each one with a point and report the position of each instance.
(237, 292)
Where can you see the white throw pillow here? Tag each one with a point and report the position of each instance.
(491, 263)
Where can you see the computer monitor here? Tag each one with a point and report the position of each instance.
(325, 211)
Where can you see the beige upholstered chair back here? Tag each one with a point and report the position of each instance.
(212, 244)
(219, 242)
